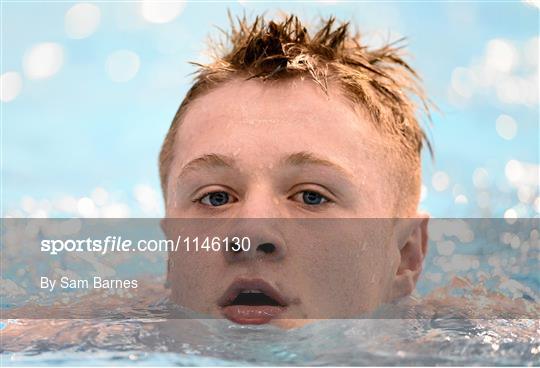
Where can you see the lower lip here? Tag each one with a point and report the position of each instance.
(251, 314)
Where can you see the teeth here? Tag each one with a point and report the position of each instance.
(251, 291)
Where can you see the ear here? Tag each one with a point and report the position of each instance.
(163, 226)
(412, 251)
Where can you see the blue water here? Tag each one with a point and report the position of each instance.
(332, 342)
(56, 118)
(489, 282)
(491, 270)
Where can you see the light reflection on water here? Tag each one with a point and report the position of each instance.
(504, 283)
(332, 342)
(152, 340)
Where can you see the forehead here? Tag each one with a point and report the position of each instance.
(274, 117)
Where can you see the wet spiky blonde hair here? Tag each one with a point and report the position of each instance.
(378, 81)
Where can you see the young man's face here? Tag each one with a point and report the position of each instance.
(281, 150)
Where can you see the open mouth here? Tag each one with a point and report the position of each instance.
(251, 302)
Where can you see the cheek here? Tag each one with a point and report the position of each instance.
(348, 272)
(192, 278)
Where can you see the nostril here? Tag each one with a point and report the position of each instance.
(266, 248)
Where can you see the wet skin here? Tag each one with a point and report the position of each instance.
(252, 149)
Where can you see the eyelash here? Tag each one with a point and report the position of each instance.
(200, 198)
(327, 200)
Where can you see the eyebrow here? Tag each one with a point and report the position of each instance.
(305, 158)
(208, 161)
(215, 161)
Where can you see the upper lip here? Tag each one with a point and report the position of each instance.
(243, 284)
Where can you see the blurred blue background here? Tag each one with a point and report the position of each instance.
(89, 91)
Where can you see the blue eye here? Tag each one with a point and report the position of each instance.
(215, 199)
(313, 198)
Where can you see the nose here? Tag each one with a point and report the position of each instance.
(265, 244)
(262, 202)
(266, 251)
(267, 248)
